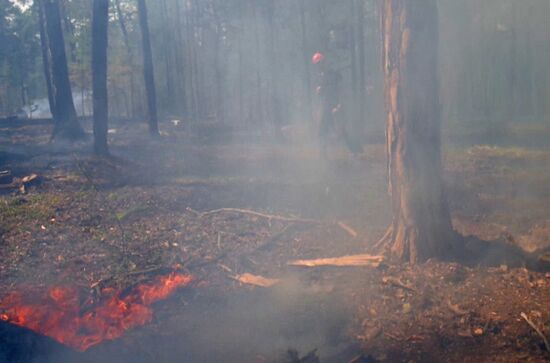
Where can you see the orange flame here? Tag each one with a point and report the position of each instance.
(58, 313)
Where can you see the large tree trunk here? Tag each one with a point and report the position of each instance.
(66, 122)
(46, 57)
(421, 226)
(100, 26)
(148, 72)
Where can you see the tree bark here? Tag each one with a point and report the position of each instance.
(148, 71)
(66, 122)
(46, 57)
(100, 24)
(421, 227)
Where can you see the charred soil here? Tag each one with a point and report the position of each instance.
(164, 204)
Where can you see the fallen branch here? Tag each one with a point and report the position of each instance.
(261, 215)
(347, 229)
(394, 337)
(456, 309)
(21, 183)
(250, 279)
(351, 261)
(225, 268)
(394, 281)
(539, 332)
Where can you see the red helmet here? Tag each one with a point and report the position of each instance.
(317, 58)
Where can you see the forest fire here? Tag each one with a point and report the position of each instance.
(59, 313)
(299, 181)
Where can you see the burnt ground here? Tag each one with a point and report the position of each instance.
(116, 223)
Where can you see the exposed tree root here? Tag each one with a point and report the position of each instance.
(467, 250)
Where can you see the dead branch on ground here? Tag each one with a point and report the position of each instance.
(261, 215)
(394, 281)
(351, 261)
(539, 332)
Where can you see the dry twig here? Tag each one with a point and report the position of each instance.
(539, 332)
(250, 279)
(347, 229)
(456, 309)
(261, 215)
(394, 281)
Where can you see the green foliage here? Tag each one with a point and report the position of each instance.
(19, 56)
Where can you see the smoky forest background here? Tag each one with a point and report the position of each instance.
(247, 63)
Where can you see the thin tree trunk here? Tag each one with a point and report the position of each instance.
(362, 66)
(241, 61)
(69, 29)
(166, 45)
(130, 57)
(306, 55)
(260, 107)
(180, 63)
(46, 57)
(100, 24)
(192, 66)
(220, 109)
(66, 122)
(148, 71)
(421, 226)
(354, 74)
(123, 29)
(275, 106)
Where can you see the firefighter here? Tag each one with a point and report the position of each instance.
(332, 114)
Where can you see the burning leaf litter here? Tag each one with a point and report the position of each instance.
(59, 313)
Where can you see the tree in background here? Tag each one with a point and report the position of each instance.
(20, 75)
(66, 122)
(202, 47)
(148, 71)
(46, 64)
(421, 227)
(100, 27)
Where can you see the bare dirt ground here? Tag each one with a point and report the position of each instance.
(116, 223)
